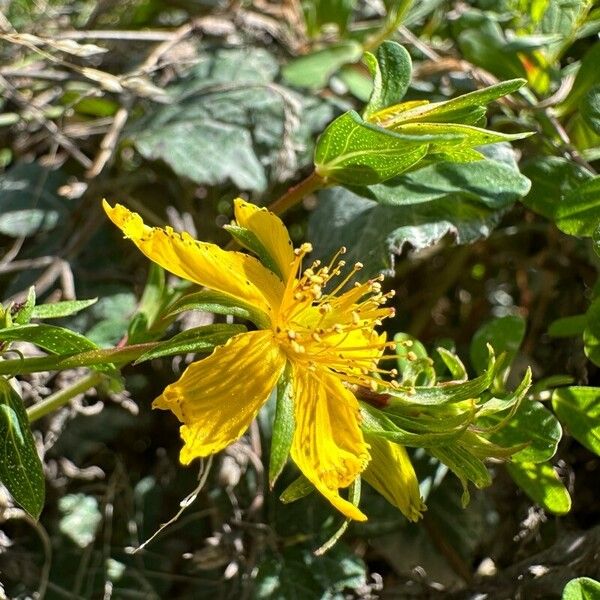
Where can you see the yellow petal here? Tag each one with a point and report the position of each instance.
(218, 397)
(232, 273)
(391, 473)
(328, 445)
(270, 231)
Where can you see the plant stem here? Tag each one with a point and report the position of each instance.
(295, 194)
(84, 359)
(55, 401)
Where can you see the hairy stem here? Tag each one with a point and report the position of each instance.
(62, 397)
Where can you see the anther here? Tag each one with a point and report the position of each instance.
(296, 347)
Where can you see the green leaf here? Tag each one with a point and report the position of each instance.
(464, 465)
(590, 108)
(578, 407)
(541, 483)
(228, 101)
(218, 303)
(29, 202)
(587, 77)
(56, 340)
(582, 588)
(413, 361)
(283, 426)
(80, 518)
(532, 424)
(563, 18)
(453, 363)
(391, 69)
(579, 211)
(195, 340)
(353, 152)
(248, 240)
(465, 200)
(456, 138)
(552, 177)
(567, 326)
(482, 41)
(299, 488)
(505, 335)
(450, 393)
(467, 109)
(20, 466)
(61, 309)
(314, 70)
(591, 346)
(297, 574)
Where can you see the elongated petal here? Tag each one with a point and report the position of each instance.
(233, 273)
(270, 231)
(328, 445)
(391, 473)
(217, 398)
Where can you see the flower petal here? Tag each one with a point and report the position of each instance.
(391, 473)
(328, 445)
(232, 273)
(270, 231)
(218, 397)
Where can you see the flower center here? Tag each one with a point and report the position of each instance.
(321, 325)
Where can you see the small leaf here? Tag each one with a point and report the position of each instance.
(578, 213)
(456, 367)
(413, 361)
(218, 303)
(450, 393)
(533, 425)
(299, 488)
(578, 407)
(468, 109)
(314, 70)
(20, 466)
(587, 77)
(464, 465)
(391, 69)
(56, 340)
(505, 334)
(248, 240)
(541, 483)
(552, 177)
(61, 309)
(591, 333)
(353, 152)
(197, 339)
(590, 108)
(283, 426)
(567, 326)
(582, 588)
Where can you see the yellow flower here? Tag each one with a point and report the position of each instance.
(327, 337)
